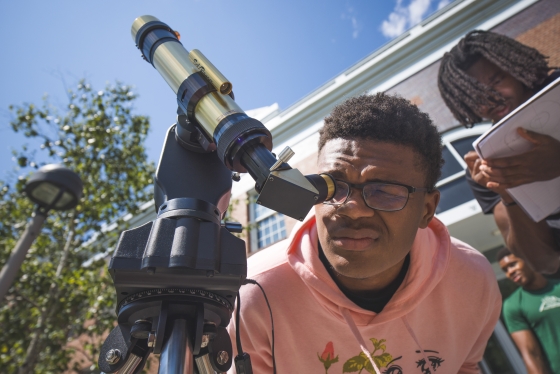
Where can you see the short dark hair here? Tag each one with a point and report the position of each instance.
(463, 94)
(504, 252)
(388, 118)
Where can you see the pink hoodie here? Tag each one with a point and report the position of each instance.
(439, 320)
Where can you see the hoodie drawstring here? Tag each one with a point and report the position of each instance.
(358, 337)
(411, 333)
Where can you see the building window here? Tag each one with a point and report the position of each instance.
(452, 184)
(268, 226)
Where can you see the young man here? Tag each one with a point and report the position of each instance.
(486, 76)
(371, 281)
(532, 315)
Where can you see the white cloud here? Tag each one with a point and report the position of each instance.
(417, 10)
(395, 25)
(443, 3)
(404, 17)
(356, 25)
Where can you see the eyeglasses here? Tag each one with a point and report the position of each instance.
(387, 197)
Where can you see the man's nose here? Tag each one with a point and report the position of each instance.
(355, 206)
(510, 271)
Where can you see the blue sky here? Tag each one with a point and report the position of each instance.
(272, 51)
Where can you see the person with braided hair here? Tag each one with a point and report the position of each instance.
(486, 76)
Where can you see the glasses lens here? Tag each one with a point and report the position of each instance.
(387, 197)
(340, 194)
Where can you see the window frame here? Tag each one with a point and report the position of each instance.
(451, 136)
(254, 223)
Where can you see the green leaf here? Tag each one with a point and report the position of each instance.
(22, 161)
(383, 360)
(354, 364)
(378, 344)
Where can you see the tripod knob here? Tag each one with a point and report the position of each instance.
(113, 356)
(141, 329)
(220, 350)
(233, 227)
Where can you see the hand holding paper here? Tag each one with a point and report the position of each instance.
(541, 163)
(474, 163)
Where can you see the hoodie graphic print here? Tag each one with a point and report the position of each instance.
(382, 360)
(438, 321)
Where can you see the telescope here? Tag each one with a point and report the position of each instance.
(177, 277)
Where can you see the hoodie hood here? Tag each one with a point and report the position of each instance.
(429, 258)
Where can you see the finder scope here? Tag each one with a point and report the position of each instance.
(212, 121)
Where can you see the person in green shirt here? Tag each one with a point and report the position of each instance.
(532, 314)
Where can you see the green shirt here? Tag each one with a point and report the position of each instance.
(538, 311)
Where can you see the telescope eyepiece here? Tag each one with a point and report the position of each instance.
(325, 184)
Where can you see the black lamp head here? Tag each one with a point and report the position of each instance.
(54, 187)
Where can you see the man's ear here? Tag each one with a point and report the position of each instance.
(431, 201)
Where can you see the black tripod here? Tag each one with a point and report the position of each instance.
(177, 277)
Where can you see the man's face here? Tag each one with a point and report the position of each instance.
(514, 92)
(516, 270)
(358, 241)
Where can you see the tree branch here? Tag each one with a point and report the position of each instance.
(34, 348)
(18, 292)
(79, 349)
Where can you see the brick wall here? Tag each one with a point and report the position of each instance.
(239, 206)
(545, 37)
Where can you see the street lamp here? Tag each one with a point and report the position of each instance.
(51, 187)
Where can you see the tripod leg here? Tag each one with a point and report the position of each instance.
(177, 355)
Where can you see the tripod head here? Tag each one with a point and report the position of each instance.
(186, 267)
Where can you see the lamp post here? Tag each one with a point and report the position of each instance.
(51, 187)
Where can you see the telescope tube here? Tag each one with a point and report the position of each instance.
(222, 120)
(242, 143)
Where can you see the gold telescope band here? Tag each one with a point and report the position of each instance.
(213, 108)
(210, 71)
(331, 188)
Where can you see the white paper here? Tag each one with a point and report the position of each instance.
(541, 114)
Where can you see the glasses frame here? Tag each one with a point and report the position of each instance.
(361, 186)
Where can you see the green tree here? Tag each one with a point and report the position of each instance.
(61, 294)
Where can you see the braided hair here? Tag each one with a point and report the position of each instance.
(463, 94)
